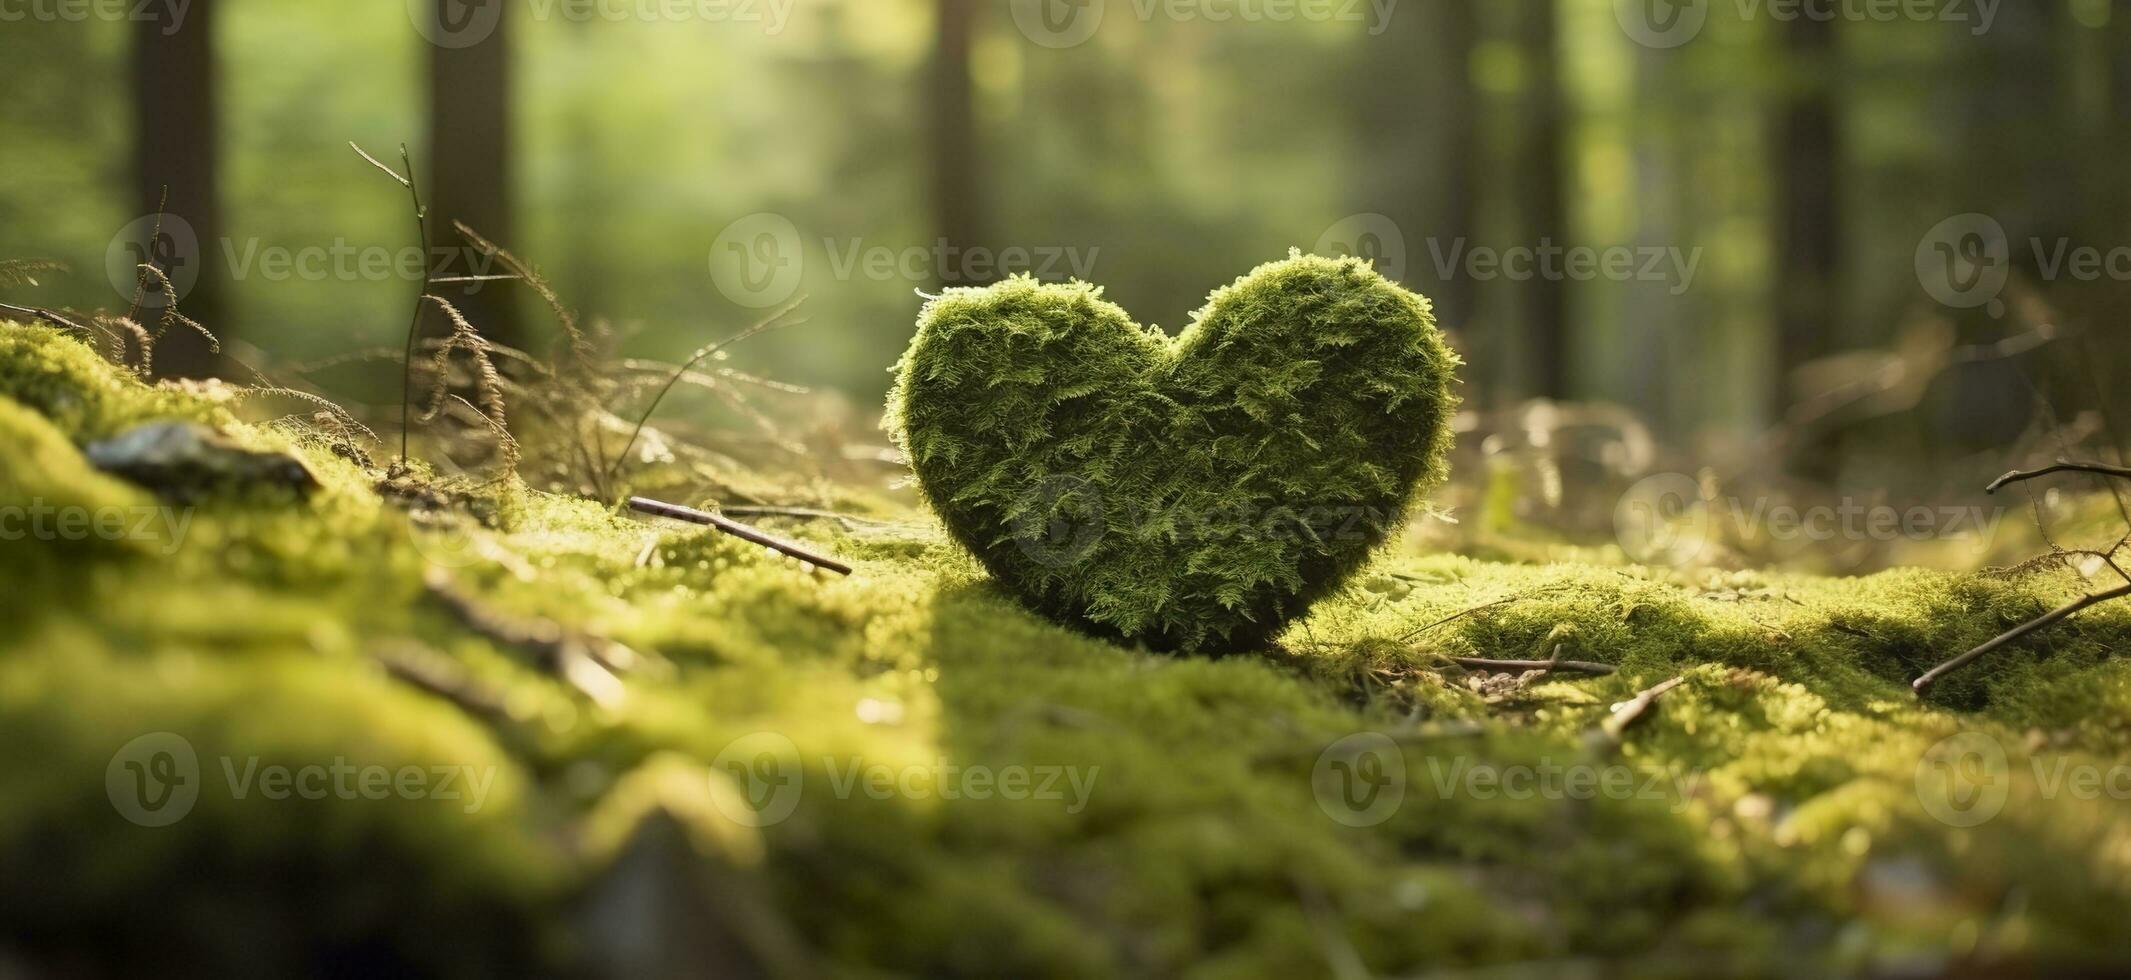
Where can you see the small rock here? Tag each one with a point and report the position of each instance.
(183, 459)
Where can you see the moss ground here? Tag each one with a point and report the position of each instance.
(1772, 814)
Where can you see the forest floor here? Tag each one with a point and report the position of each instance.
(391, 723)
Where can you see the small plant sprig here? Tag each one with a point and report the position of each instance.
(775, 321)
(422, 297)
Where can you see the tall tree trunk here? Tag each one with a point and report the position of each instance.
(1539, 180)
(957, 196)
(1415, 126)
(1808, 148)
(176, 136)
(470, 161)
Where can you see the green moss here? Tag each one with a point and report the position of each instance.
(1775, 812)
(1195, 493)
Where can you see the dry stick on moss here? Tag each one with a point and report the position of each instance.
(773, 322)
(2061, 466)
(1630, 711)
(661, 508)
(1548, 666)
(40, 313)
(802, 513)
(1923, 684)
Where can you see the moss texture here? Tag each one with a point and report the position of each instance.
(1780, 821)
(1195, 492)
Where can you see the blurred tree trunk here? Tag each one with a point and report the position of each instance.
(176, 139)
(1415, 120)
(470, 168)
(957, 197)
(1808, 148)
(1537, 186)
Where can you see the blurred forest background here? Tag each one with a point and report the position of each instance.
(1882, 248)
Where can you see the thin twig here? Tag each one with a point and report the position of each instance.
(2061, 466)
(1504, 601)
(414, 324)
(1630, 711)
(1547, 666)
(745, 533)
(802, 513)
(1923, 684)
(769, 324)
(40, 313)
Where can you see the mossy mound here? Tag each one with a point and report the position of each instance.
(607, 690)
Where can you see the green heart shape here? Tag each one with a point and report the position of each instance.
(1193, 493)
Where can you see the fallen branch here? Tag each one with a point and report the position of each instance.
(2061, 466)
(40, 313)
(1923, 684)
(1632, 710)
(677, 512)
(1544, 666)
(802, 513)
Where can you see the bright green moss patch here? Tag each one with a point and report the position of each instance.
(1191, 494)
(1773, 810)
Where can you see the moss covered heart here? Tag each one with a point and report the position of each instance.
(1190, 493)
